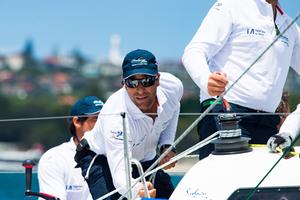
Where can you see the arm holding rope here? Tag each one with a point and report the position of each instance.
(287, 133)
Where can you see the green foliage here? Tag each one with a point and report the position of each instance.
(23, 129)
(189, 112)
(294, 101)
(51, 132)
(191, 138)
(46, 132)
(42, 103)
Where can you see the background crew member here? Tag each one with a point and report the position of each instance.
(57, 174)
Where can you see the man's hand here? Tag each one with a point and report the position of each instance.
(216, 83)
(170, 155)
(82, 151)
(151, 189)
(280, 140)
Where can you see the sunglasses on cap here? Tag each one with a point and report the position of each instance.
(146, 82)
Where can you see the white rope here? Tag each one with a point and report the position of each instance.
(90, 166)
(183, 154)
(188, 130)
(108, 194)
(174, 159)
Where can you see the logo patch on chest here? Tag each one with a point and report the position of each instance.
(74, 187)
(254, 31)
(118, 135)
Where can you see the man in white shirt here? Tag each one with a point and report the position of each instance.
(233, 34)
(151, 103)
(57, 174)
(288, 132)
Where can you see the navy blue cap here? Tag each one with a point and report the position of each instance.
(87, 106)
(139, 62)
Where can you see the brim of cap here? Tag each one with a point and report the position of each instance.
(92, 113)
(150, 72)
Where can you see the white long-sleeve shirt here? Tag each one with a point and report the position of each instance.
(291, 124)
(232, 35)
(144, 134)
(58, 176)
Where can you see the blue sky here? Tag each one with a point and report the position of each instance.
(161, 26)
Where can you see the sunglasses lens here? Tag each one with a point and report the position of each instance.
(146, 82)
(131, 83)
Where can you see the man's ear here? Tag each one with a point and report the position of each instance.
(123, 84)
(158, 77)
(76, 122)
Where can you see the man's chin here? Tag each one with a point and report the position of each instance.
(143, 109)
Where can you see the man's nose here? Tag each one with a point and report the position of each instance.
(140, 87)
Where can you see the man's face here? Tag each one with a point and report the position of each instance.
(84, 126)
(144, 97)
(89, 123)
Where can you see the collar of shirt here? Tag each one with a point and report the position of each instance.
(280, 18)
(278, 7)
(138, 114)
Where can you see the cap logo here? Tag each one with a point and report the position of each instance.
(139, 61)
(98, 103)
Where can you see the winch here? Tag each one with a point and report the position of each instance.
(230, 139)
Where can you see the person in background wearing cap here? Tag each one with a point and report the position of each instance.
(231, 37)
(289, 131)
(151, 103)
(57, 174)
